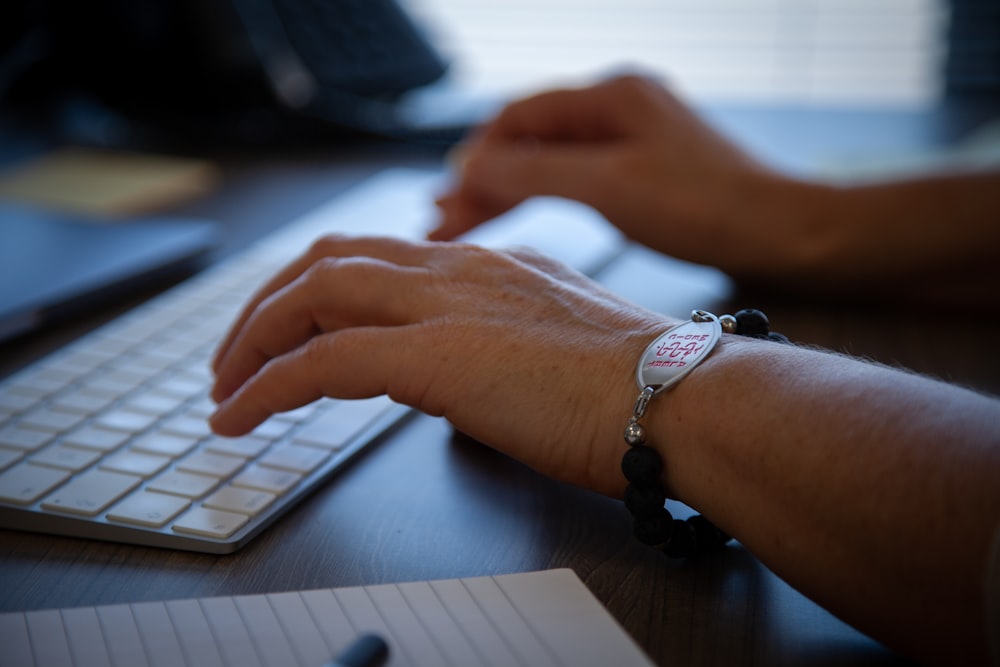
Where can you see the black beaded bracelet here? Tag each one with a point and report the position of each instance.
(666, 361)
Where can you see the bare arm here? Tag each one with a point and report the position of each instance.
(871, 490)
(926, 238)
(646, 161)
(875, 492)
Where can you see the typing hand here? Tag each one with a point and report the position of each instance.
(513, 349)
(634, 152)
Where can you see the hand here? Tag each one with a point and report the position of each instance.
(513, 349)
(633, 151)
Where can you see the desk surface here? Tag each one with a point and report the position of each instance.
(427, 503)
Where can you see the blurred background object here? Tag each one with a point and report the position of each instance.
(120, 72)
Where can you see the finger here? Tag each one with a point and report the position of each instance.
(388, 249)
(333, 293)
(349, 364)
(461, 213)
(502, 176)
(554, 143)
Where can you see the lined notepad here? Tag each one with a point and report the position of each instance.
(533, 619)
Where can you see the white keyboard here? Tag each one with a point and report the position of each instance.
(107, 438)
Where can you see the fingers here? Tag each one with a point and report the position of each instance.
(461, 213)
(352, 327)
(354, 363)
(499, 177)
(390, 250)
(328, 290)
(566, 143)
(333, 293)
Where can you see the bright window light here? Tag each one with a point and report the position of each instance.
(811, 52)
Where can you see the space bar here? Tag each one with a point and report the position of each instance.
(339, 424)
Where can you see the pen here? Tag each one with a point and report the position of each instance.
(365, 651)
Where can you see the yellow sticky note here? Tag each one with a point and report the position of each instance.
(107, 184)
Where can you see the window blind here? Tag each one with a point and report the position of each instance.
(823, 52)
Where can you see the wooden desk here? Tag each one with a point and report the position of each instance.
(427, 503)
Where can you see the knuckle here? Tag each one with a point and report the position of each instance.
(325, 246)
(530, 256)
(467, 264)
(634, 83)
(320, 271)
(461, 253)
(637, 90)
(314, 352)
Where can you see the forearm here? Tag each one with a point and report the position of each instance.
(872, 491)
(917, 236)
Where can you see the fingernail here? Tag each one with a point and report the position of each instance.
(216, 420)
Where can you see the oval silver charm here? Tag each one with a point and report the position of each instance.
(678, 351)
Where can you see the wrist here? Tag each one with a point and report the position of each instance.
(793, 229)
(617, 397)
(683, 423)
(666, 362)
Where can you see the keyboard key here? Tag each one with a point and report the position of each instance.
(182, 386)
(48, 379)
(210, 523)
(196, 371)
(164, 444)
(242, 501)
(246, 446)
(335, 427)
(267, 479)
(113, 340)
(115, 382)
(196, 427)
(146, 508)
(273, 429)
(187, 484)
(25, 483)
(76, 362)
(181, 348)
(299, 414)
(150, 362)
(65, 457)
(40, 384)
(153, 402)
(207, 463)
(47, 419)
(14, 399)
(201, 408)
(294, 458)
(83, 401)
(136, 463)
(93, 437)
(129, 421)
(91, 492)
(21, 437)
(9, 457)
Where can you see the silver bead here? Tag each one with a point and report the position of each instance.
(635, 434)
(728, 323)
